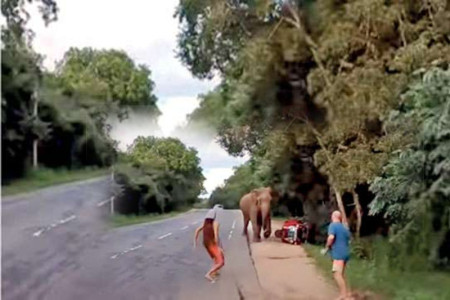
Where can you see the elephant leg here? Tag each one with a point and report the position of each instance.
(246, 221)
(256, 226)
(267, 226)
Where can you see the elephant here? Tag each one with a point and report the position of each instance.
(255, 207)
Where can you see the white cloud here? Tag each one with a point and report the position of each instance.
(174, 112)
(216, 177)
(147, 31)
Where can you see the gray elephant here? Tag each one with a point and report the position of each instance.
(255, 207)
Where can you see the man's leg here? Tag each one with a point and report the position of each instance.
(338, 274)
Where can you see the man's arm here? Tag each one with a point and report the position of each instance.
(197, 231)
(330, 241)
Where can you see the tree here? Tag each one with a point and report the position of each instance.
(20, 76)
(77, 130)
(161, 173)
(414, 190)
(109, 75)
(17, 16)
(316, 70)
(213, 32)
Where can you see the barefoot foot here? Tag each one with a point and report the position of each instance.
(208, 277)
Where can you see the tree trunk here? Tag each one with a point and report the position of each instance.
(358, 213)
(35, 141)
(340, 204)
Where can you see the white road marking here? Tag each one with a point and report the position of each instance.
(193, 223)
(135, 248)
(234, 224)
(185, 227)
(229, 236)
(125, 251)
(38, 233)
(105, 202)
(72, 217)
(164, 236)
(53, 225)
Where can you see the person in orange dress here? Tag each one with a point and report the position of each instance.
(211, 242)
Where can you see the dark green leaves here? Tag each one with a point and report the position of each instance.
(109, 75)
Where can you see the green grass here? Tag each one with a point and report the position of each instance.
(125, 220)
(47, 177)
(364, 275)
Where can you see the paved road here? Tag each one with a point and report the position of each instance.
(56, 245)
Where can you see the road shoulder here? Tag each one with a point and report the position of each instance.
(286, 272)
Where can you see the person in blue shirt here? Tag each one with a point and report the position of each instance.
(338, 241)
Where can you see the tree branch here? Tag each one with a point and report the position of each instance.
(309, 41)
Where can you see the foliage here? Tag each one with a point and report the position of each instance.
(16, 15)
(413, 192)
(109, 75)
(159, 175)
(64, 112)
(78, 134)
(20, 76)
(71, 130)
(213, 32)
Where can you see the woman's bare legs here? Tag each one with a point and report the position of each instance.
(213, 271)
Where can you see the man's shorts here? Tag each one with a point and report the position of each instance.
(338, 265)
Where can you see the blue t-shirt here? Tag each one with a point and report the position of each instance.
(340, 249)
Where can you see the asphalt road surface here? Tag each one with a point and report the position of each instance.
(56, 245)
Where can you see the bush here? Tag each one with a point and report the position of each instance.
(158, 175)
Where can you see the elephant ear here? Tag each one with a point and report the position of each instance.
(274, 193)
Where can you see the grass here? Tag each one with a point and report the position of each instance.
(365, 275)
(125, 220)
(35, 180)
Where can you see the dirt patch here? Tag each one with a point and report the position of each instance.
(286, 272)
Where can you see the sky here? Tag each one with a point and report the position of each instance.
(147, 31)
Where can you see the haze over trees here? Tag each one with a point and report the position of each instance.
(337, 102)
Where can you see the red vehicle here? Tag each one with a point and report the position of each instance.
(293, 232)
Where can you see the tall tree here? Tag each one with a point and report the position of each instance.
(414, 190)
(109, 75)
(322, 73)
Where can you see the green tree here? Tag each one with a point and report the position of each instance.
(323, 74)
(414, 190)
(162, 173)
(213, 32)
(20, 78)
(109, 75)
(16, 15)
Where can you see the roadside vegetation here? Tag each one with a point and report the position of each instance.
(41, 178)
(340, 105)
(58, 120)
(157, 175)
(376, 275)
